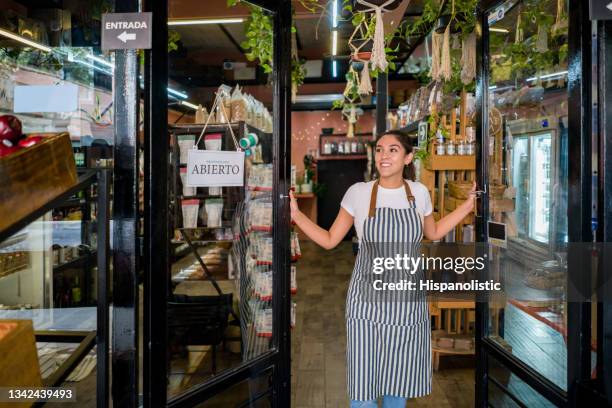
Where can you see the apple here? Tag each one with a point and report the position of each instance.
(6, 150)
(10, 128)
(30, 141)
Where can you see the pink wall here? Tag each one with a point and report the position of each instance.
(306, 127)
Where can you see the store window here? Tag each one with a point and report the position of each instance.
(528, 152)
(56, 107)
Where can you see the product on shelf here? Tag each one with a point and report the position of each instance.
(260, 177)
(185, 143)
(214, 209)
(187, 191)
(190, 213)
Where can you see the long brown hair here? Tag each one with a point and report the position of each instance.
(404, 139)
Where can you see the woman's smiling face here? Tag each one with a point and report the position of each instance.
(390, 156)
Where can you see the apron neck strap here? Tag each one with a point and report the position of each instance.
(372, 211)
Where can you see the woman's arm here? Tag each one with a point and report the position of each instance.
(326, 239)
(436, 230)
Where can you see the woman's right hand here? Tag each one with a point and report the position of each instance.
(293, 204)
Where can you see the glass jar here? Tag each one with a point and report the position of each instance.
(341, 148)
(334, 148)
(461, 148)
(470, 149)
(450, 148)
(347, 147)
(440, 149)
(327, 148)
(354, 149)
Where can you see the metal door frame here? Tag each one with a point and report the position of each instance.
(579, 210)
(156, 257)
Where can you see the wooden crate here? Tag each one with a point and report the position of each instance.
(19, 358)
(33, 176)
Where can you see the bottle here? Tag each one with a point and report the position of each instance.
(76, 292)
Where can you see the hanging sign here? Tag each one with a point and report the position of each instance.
(214, 168)
(600, 9)
(126, 31)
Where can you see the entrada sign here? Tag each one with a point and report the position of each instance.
(212, 168)
(126, 31)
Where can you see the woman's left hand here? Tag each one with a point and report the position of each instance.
(472, 196)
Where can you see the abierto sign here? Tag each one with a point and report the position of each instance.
(212, 168)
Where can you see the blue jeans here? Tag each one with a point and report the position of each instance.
(388, 402)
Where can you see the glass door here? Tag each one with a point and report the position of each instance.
(524, 357)
(219, 309)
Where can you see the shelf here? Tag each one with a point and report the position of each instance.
(344, 135)
(344, 157)
(186, 128)
(201, 242)
(201, 196)
(73, 262)
(435, 162)
(413, 126)
(444, 350)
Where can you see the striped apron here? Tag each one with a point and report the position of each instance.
(388, 332)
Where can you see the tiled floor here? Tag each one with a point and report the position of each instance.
(319, 340)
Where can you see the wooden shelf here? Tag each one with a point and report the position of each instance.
(452, 351)
(344, 157)
(435, 162)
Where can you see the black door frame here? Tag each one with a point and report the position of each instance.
(156, 257)
(579, 212)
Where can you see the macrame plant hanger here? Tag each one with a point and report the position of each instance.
(365, 83)
(379, 57)
(446, 69)
(216, 103)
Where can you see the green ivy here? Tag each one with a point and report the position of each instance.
(259, 37)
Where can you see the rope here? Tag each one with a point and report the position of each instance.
(365, 84)
(436, 44)
(229, 125)
(446, 70)
(379, 57)
(468, 59)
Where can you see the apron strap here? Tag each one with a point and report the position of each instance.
(372, 211)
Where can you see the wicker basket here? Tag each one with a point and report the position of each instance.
(461, 189)
(33, 176)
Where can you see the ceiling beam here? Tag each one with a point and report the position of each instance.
(230, 37)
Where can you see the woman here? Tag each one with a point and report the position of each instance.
(389, 341)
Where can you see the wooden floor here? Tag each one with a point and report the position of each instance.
(319, 339)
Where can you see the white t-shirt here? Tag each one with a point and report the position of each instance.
(356, 200)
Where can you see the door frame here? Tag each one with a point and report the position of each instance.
(579, 211)
(156, 257)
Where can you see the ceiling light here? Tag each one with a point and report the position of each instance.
(24, 40)
(189, 105)
(334, 42)
(499, 30)
(318, 98)
(547, 76)
(177, 93)
(100, 61)
(335, 13)
(206, 21)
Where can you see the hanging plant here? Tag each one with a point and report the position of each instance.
(258, 46)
